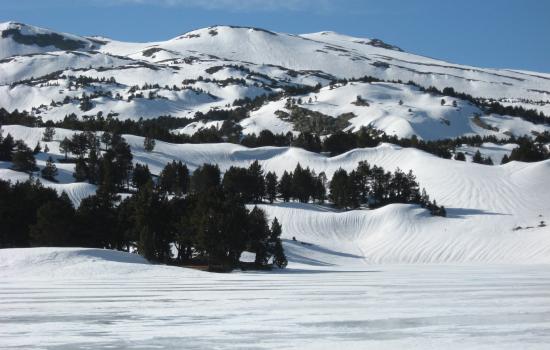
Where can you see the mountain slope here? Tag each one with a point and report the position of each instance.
(21, 39)
(49, 74)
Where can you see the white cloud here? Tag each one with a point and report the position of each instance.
(233, 5)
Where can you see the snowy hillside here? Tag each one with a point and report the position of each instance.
(20, 39)
(494, 212)
(50, 74)
(397, 109)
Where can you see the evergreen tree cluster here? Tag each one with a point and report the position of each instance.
(479, 159)
(110, 166)
(205, 222)
(376, 187)
(529, 151)
(366, 185)
(302, 185)
(17, 152)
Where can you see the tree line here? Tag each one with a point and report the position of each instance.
(203, 215)
(205, 228)
(339, 142)
(204, 220)
(113, 167)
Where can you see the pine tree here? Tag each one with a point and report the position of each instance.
(122, 161)
(505, 159)
(107, 174)
(80, 173)
(80, 144)
(182, 179)
(150, 220)
(23, 158)
(141, 176)
(205, 178)
(320, 192)
(339, 189)
(54, 224)
(257, 183)
(478, 158)
(259, 236)
(424, 199)
(271, 186)
(362, 181)
(238, 183)
(460, 156)
(97, 220)
(7, 145)
(302, 184)
(167, 178)
(146, 243)
(276, 246)
(285, 186)
(106, 138)
(65, 146)
(174, 179)
(37, 149)
(149, 144)
(49, 132)
(353, 189)
(49, 172)
(93, 167)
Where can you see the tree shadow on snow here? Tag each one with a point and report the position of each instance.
(307, 271)
(461, 213)
(314, 255)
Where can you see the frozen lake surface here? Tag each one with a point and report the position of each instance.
(376, 307)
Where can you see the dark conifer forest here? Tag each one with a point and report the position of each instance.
(177, 217)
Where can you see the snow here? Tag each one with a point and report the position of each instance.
(89, 298)
(488, 149)
(9, 47)
(284, 58)
(396, 109)
(192, 128)
(265, 119)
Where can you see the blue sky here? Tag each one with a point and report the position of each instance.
(487, 33)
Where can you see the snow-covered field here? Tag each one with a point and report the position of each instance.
(54, 298)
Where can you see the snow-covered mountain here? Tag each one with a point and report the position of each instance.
(47, 73)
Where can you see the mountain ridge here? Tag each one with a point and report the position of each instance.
(212, 68)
